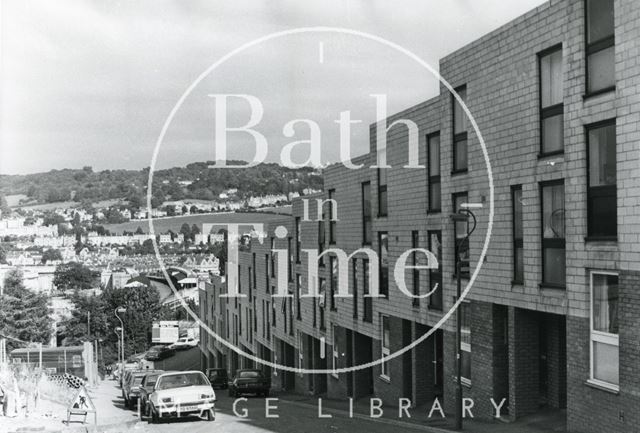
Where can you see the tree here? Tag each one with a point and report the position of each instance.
(195, 230)
(24, 314)
(51, 255)
(139, 231)
(186, 231)
(74, 276)
(170, 210)
(185, 210)
(3, 255)
(4, 206)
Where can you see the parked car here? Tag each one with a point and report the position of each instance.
(184, 343)
(131, 388)
(248, 381)
(146, 388)
(159, 352)
(218, 377)
(181, 394)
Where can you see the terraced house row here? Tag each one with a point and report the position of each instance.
(553, 319)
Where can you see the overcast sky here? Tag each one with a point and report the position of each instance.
(91, 82)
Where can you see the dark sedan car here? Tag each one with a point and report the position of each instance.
(157, 353)
(131, 388)
(249, 382)
(146, 388)
(218, 377)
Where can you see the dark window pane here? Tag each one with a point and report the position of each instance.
(605, 303)
(384, 262)
(435, 199)
(602, 211)
(517, 213)
(466, 364)
(599, 19)
(519, 264)
(459, 116)
(552, 133)
(551, 78)
(434, 155)
(553, 211)
(460, 149)
(382, 201)
(602, 155)
(601, 70)
(554, 266)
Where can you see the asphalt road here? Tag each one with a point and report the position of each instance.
(294, 418)
(182, 360)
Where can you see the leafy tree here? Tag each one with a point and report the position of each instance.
(193, 209)
(195, 230)
(51, 255)
(170, 210)
(52, 218)
(24, 314)
(3, 255)
(4, 206)
(74, 276)
(186, 231)
(184, 209)
(139, 231)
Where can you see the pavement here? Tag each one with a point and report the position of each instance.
(290, 413)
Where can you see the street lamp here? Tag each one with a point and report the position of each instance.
(462, 216)
(121, 310)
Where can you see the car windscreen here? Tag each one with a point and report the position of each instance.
(249, 374)
(137, 380)
(181, 380)
(151, 380)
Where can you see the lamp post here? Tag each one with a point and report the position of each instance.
(121, 310)
(462, 216)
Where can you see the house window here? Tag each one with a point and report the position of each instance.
(551, 106)
(332, 222)
(383, 262)
(600, 46)
(266, 272)
(435, 275)
(385, 344)
(356, 279)
(322, 300)
(334, 347)
(460, 229)
(415, 273)
(435, 199)
(273, 257)
(460, 124)
(253, 262)
(366, 214)
(290, 315)
(300, 351)
(321, 239)
(604, 329)
(553, 242)
(298, 235)
(298, 289)
(601, 194)
(465, 342)
(382, 192)
(367, 310)
(273, 311)
(333, 270)
(516, 210)
(290, 255)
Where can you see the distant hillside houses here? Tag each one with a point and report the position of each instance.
(202, 263)
(17, 227)
(94, 238)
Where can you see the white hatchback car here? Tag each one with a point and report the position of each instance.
(181, 394)
(184, 343)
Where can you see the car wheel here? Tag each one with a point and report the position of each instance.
(211, 416)
(155, 419)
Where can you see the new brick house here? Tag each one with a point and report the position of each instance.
(553, 318)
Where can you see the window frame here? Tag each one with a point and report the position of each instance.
(355, 270)
(431, 178)
(333, 281)
(461, 136)
(298, 300)
(367, 235)
(465, 275)
(334, 350)
(383, 211)
(332, 223)
(600, 336)
(298, 236)
(590, 192)
(385, 372)
(367, 302)
(552, 110)
(383, 283)
(517, 242)
(415, 273)
(436, 274)
(551, 243)
(591, 48)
